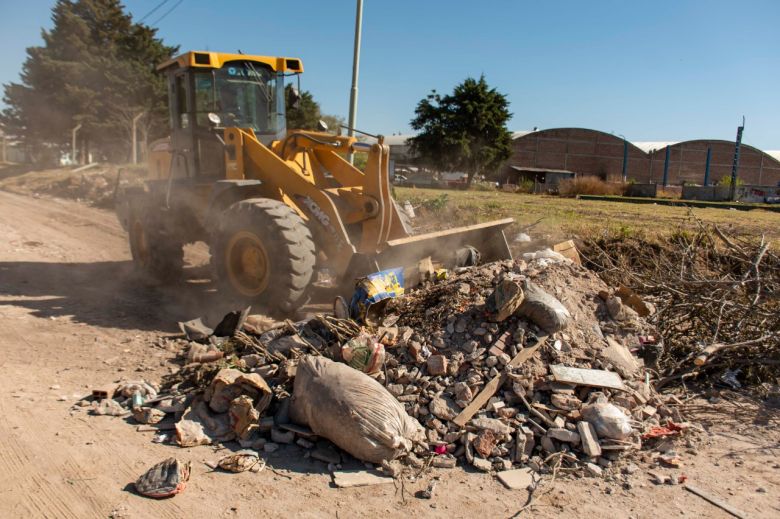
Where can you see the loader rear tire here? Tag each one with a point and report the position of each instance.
(263, 254)
(153, 252)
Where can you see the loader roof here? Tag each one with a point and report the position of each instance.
(204, 59)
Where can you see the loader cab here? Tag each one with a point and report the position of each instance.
(210, 91)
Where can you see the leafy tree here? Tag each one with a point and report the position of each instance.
(334, 122)
(96, 68)
(463, 131)
(308, 113)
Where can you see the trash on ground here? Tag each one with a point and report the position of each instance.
(352, 410)
(507, 366)
(568, 250)
(239, 462)
(372, 293)
(165, 479)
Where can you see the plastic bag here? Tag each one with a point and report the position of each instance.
(373, 292)
(548, 254)
(543, 309)
(352, 410)
(608, 420)
(364, 353)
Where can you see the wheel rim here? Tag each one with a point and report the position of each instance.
(140, 243)
(247, 264)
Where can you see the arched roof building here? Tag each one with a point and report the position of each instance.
(586, 151)
(580, 150)
(592, 152)
(688, 163)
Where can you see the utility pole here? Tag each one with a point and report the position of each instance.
(74, 131)
(353, 93)
(735, 165)
(135, 137)
(5, 143)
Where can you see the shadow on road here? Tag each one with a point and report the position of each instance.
(108, 294)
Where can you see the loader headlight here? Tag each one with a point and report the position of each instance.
(214, 119)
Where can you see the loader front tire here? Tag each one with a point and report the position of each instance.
(263, 254)
(154, 253)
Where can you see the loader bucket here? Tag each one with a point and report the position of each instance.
(488, 238)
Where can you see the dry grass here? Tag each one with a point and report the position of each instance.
(588, 185)
(564, 218)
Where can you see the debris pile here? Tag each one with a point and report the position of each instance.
(501, 366)
(519, 363)
(95, 184)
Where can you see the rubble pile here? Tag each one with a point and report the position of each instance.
(453, 340)
(511, 364)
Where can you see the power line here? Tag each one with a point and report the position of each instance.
(147, 15)
(167, 12)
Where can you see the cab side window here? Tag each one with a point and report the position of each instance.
(204, 97)
(183, 117)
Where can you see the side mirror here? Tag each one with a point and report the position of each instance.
(322, 126)
(214, 119)
(293, 98)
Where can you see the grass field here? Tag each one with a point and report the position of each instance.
(569, 217)
(561, 218)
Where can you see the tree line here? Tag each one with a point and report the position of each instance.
(96, 69)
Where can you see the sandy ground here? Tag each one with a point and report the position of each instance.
(73, 315)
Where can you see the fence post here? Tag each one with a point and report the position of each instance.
(707, 167)
(666, 168)
(735, 165)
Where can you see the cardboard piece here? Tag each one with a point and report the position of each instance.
(568, 250)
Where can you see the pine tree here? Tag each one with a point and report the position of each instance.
(96, 68)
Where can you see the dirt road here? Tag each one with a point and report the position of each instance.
(73, 315)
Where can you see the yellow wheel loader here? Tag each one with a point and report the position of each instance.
(274, 206)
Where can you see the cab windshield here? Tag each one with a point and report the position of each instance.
(243, 94)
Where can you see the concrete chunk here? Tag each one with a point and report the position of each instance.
(590, 442)
(359, 478)
(482, 464)
(586, 377)
(437, 365)
(491, 424)
(518, 479)
(564, 435)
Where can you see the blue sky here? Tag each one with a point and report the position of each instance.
(660, 70)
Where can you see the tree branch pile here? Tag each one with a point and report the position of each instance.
(717, 300)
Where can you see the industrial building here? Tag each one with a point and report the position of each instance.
(583, 151)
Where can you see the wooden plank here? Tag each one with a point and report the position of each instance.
(450, 232)
(586, 377)
(715, 501)
(491, 387)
